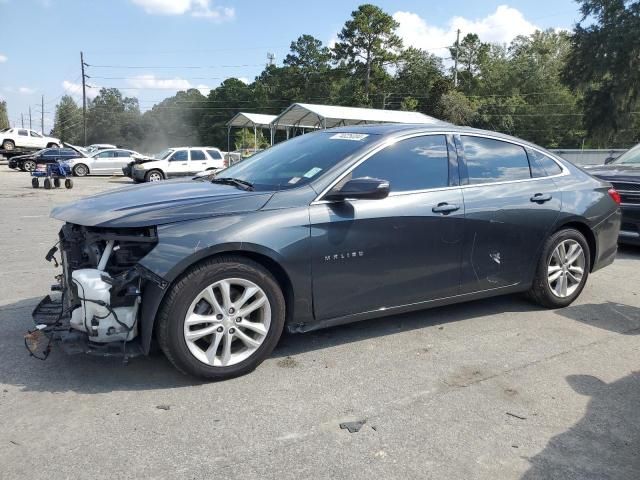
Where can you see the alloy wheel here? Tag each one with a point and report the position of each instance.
(566, 268)
(155, 177)
(227, 322)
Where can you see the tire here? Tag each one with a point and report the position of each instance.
(53, 145)
(68, 183)
(56, 182)
(551, 294)
(153, 176)
(29, 165)
(35, 183)
(184, 295)
(80, 170)
(47, 184)
(8, 145)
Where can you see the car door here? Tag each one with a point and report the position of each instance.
(121, 159)
(198, 162)
(508, 212)
(375, 254)
(178, 164)
(23, 139)
(103, 162)
(36, 140)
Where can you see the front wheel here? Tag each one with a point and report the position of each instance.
(29, 165)
(153, 176)
(562, 270)
(222, 318)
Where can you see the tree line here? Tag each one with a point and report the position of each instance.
(554, 88)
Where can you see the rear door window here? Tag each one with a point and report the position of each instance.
(198, 155)
(23, 133)
(414, 164)
(215, 154)
(489, 160)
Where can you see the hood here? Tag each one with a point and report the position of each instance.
(159, 203)
(615, 173)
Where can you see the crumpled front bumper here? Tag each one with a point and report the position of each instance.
(51, 318)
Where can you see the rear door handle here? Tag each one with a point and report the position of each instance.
(541, 198)
(445, 208)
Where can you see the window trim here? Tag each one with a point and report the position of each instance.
(460, 158)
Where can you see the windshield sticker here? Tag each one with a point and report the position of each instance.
(349, 136)
(312, 173)
(294, 180)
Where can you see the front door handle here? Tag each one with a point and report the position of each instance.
(445, 208)
(541, 198)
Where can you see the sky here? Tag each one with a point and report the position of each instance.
(152, 48)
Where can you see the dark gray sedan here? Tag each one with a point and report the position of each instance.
(327, 228)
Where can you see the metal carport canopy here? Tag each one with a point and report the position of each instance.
(250, 120)
(307, 115)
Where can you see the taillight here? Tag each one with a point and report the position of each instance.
(613, 193)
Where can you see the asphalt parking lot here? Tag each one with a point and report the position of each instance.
(494, 389)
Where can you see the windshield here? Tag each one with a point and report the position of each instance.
(631, 157)
(298, 161)
(163, 154)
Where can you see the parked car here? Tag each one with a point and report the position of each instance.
(178, 162)
(27, 163)
(327, 228)
(624, 174)
(102, 162)
(12, 138)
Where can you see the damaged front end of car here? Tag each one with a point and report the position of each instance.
(95, 304)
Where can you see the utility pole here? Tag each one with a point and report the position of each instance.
(270, 59)
(22, 119)
(455, 68)
(42, 116)
(30, 128)
(84, 101)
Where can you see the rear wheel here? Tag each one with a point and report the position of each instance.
(80, 170)
(153, 176)
(8, 145)
(562, 270)
(29, 165)
(222, 318)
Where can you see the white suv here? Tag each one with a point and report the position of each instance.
(179, 162)
(10, 138)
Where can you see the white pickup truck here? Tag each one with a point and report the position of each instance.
(12, 138)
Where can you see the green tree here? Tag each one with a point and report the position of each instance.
(418, 71)
(456, 108)
(604, 65)
(67, 124)
(368, 42)
(112, 118)
(471, 54)
(4, 116)
(244, 138)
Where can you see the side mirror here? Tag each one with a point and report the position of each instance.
(609, 160)
(360, 188)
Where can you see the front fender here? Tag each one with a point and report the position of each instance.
(282, 236)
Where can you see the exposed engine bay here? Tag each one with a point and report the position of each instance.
(100, 287)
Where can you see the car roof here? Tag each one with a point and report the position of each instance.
(401, 129)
